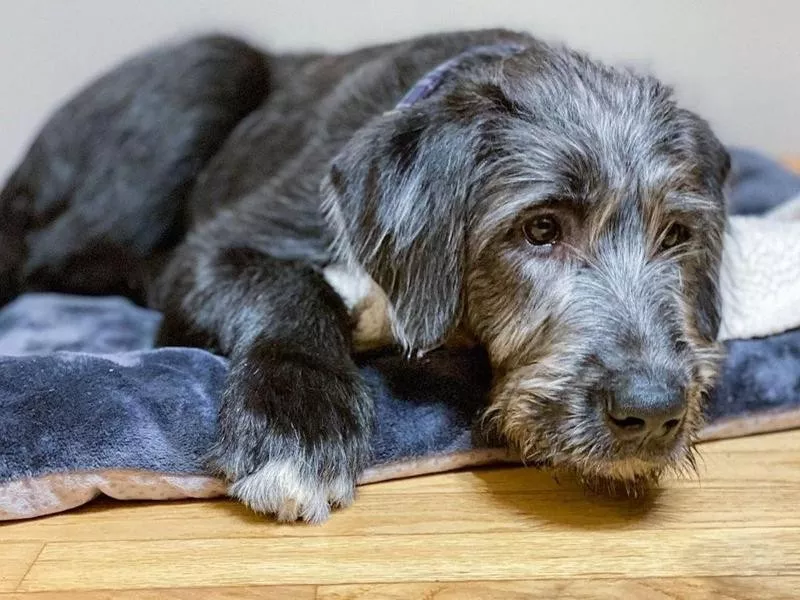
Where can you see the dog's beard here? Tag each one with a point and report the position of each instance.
(568, 437)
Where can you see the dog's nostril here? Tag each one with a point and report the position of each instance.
(629, 423)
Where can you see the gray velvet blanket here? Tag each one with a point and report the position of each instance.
(83, 394)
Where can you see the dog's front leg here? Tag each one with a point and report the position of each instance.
(295, 417)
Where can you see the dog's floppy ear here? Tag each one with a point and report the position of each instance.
(715, 164)
(397, 197)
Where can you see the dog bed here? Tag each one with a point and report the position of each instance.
(88, 407)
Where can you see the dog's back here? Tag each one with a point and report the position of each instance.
(105, 182)
(122, 171)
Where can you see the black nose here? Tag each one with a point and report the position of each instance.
(644, 407)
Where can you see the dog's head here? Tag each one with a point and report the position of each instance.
(570, 216)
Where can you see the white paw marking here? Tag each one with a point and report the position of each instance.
(282, 489)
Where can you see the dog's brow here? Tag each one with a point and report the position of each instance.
(559, 199)
(688, 203)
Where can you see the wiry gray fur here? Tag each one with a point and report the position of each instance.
(430, 201)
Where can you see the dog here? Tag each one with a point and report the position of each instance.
(477, 187)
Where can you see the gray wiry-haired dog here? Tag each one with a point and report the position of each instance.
(566, 215)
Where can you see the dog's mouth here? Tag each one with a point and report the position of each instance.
(628, 448)
(605, 465)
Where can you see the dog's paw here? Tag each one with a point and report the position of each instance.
(294, 432)
(287, 480)
(287, 490)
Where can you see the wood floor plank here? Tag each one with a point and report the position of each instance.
(701, 588)
(676, 508)
(15, 560)
(782, 441)
(570, 552)
(231, 593)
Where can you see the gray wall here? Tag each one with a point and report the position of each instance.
(735, 61)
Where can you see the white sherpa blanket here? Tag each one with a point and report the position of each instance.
(760, 278)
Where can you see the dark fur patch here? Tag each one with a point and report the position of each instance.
(337, 180)
(240, 259)
(404, 143)
(500, 101)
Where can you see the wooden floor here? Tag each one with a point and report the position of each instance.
(495, 533)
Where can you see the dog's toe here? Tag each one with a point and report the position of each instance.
(341, 492)
(287, 510)
(283, 488)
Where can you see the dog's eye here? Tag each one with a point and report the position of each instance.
(675, 235)
(542, 231)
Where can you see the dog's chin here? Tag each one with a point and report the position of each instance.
(630, 475)
(620, 474)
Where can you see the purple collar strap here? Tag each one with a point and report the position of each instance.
(426, 86)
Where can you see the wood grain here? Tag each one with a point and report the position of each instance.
(571, 552)
(493, 533)
(15, 560)
(307, 592)
(701, 588)
(686, 507)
